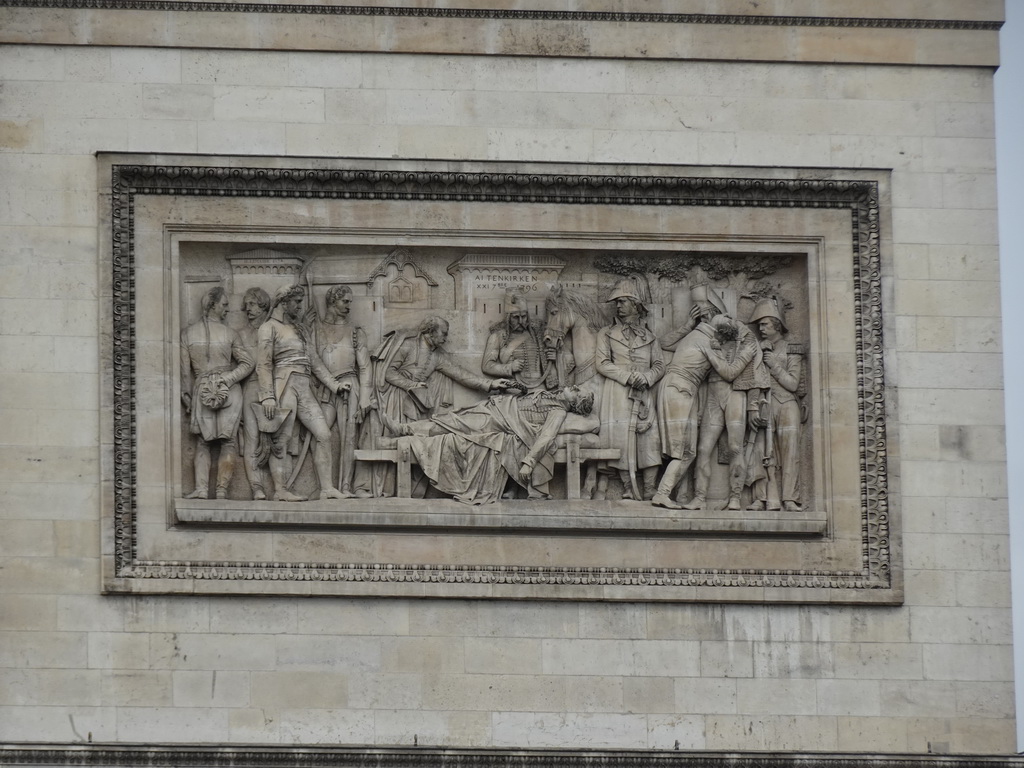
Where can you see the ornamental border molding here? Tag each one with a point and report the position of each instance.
(239, 756)
(859, 197)
(191, 6)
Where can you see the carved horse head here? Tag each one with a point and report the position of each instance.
(572, 315)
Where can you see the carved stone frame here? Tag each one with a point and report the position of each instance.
(617, 17)
(863, 196)
(314, 756)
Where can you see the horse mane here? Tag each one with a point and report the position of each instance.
(580, 303)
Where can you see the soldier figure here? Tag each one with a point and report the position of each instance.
(629, 356)
(342, 348)
(725, 409)
(256, 304)
(284, 365)
(514, 347)
(213, 361)
(779, 427)
(696, 351)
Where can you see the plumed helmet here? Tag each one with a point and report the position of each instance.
(633, 287)
(704, 293)
(769, 307)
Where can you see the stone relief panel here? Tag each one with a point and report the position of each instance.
(484, 393)
(683, 386)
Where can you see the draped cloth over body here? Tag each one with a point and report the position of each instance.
(482, 446)
(402, 361)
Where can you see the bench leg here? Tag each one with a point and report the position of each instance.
(404, 472)
(572, 469)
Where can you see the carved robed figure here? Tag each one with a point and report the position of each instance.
(629, 357)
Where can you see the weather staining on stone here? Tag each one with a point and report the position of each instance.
(682, 388)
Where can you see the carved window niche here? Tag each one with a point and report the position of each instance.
(708, 337)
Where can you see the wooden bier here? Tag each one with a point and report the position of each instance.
(573, 455)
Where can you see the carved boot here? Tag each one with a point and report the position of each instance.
(278, 469)
(734, 504)
(697, 502)
(650, 483)
(664, 499)
(590, 484)
(756, 506)
(791, 506)
(627, 487)
(322, 464)
(669, 481)
(257, 477)
(256, 471)
(225, 470)
(202, 472)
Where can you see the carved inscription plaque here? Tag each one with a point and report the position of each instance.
(394, 381)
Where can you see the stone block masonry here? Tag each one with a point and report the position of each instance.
(898, 91)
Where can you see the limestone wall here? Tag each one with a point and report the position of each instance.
(933, 674)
